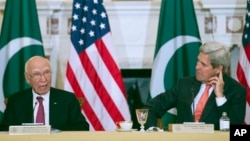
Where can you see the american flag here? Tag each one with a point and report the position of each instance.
(92, 72)
(243, 69)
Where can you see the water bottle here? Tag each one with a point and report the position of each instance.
(224, 122)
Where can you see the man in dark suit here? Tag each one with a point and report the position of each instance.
(225, 94)
(61, 108)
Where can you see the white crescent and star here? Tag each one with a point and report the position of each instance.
(162, 58)
(9, 50)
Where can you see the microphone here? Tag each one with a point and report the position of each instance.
(34, 106)
(34, 110)
(33, 117)
(193, 106)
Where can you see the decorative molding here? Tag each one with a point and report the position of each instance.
(134, 26)
(223, 4)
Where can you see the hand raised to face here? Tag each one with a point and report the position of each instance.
(218, 84)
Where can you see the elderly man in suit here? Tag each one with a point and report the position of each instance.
(224, 95)
(61, 108)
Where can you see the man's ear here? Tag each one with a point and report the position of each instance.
(27, 78)
(221, 68)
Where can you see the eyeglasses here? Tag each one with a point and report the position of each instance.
(38, 75)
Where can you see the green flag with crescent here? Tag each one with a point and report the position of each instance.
(20, 39)
(177, 47)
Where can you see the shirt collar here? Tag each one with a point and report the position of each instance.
(45, 96)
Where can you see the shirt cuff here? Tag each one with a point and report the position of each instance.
(220, 100)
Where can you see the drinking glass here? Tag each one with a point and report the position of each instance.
(142, 115)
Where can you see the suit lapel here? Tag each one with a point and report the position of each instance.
(209, 107)
(195, 89)
(53, 106)
(28, 107)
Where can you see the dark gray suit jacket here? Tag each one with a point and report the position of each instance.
(182, 95)
(65, 112)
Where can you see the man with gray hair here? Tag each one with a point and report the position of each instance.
(42, 103)
(224, 94)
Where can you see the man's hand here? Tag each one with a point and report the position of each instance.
(218, 84)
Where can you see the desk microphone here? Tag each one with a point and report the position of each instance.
(34, 123)
(34, 106)
(34, 110)
(192, 91)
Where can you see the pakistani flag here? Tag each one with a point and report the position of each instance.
(177, 47)
(19, 40)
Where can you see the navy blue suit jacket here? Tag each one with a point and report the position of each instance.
(64, 110)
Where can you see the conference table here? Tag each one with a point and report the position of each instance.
(118, 136)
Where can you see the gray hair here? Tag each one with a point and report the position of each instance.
(218, 54)
(32, 58)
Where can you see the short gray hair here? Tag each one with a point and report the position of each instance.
(34, 57)
(218, 54)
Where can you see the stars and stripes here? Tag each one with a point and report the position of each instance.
(243, 69)
(92, 71)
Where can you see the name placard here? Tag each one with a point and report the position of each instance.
(29, 130)
(191, 128)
